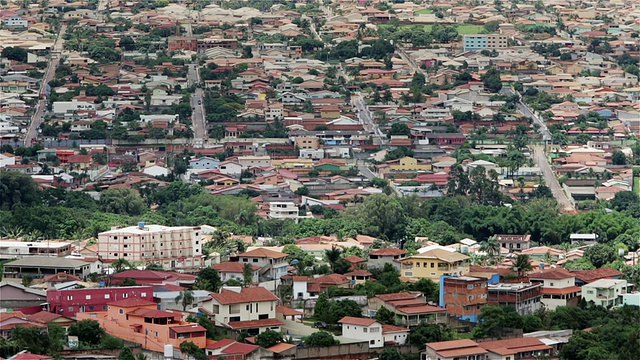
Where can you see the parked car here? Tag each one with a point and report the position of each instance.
(320, 324)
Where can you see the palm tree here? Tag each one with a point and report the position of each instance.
(491, 247)
(185, 298)
(333, 256)
(522, 264)
(202, 284)
(120, 265)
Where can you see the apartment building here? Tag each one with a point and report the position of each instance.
(433, 264)
(464, 296)
(171, 247)
(250, 309)
(484, 42)
(515, 243)
(525, 298)
(558, 288)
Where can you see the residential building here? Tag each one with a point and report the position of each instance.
(584, 277)
(16, 23)
(39, 266)
(284, 210)
(394, 335)
(358, 277)
(455, 350)
(605, 292)
(558, 288)
(464, 296)
(13, 296)
(74, 301)
(250, 309)
(64, 107)
(273, 264)
(166, 299)
(517, 348)
(171, 247)
(154, 278)
(139, 321)
(204, 162)
(368, 330)
(390, 255)
(515, 243)
(525, 298)
(188, 43)
(484, 41)
(20, 249)
(433, 264)
(235, 270)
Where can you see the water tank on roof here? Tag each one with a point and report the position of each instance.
(141, 225)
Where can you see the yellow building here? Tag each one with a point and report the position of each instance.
(433, 264)
(292, 163)
(408, 164)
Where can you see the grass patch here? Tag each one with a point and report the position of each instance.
(636, 184)
(424, 11)
(469, 29)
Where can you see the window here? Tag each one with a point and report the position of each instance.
(255, 260)
(88, 297)
(375, 329)
(69, 297)
(124, 296)
(144, 294)
(115, 254)
(471, 297)
(424, 264)
(365, 330)
(417, 264)
(550, 284)
(70, 308)
(107, 296)
(121, 311)
(433, 265)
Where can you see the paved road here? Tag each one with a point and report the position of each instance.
(526, 111)
(566, 204)
(365, 118)
(364, 170)
(413, 65)
(38, 116)
(198, 117)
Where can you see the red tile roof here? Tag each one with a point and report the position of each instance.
(420, 309)
(358, 273)
(189, 328)
(281, 347)
(396, 296)
(240, 348)
(29, 356)
(561, 291)
(263, 253)
(131, 302)
(354, 259)
(219, 344)
(44, 317)
(232, 267)
(350, 320)
(596, 274)
(251, 324)
(552, 274)
(392, 328)
(331, 279)
(287, 311)
(514, 346)
(390, 251)
(226, 297)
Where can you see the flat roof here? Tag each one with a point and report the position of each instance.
(46, 262)
(39, 244)
(147, 229)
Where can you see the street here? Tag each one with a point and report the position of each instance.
(411, 62)
(198, 118)
(38, 115)
(526, 111)
(364, 117)
(566, 205)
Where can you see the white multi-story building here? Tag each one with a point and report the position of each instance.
(558, 288)
(20, 249)
(273, 264)
(63, 107)
(172, 247)
(16, 23)
(283, 211)
(250, 309)
(605, 292)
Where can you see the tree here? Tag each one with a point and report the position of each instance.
(618, 158)
(333, 256)
(382, 215)
(127, 43)
(185, 298)
(126, 354)
(247, 274)
(399, 129)
(385, 316)
(268, 338)
(302, 191)
(322, 306)
(624, 199)
(494, 319)
(320, 339)
(88, 331)
(424, 333)
(17, 189)
(491, 80)
(211, 278)
(390, 354)
(27, 280)
(522, 264)
(121, 201)
(600, 254)
(189, 348)
(491, 247)
(120, 265)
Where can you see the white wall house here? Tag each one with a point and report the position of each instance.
(273, 264)
(63, 107)
(605, 292)
(558, 288)
(363, 329)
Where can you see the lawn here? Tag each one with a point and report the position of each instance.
(636, 184)
(469, 29)
(424, 11)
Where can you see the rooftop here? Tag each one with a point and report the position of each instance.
(350, 320)
(245, 295)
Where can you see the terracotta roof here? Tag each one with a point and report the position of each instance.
(44, 317)
(358, 273)
(255, 323)
(452, 344)
(240, 348)
(596, 274)
(189, 328)
(226, 297)
(354, 259)
(29, 356)
(392, 328)
(396, 296)
(287, 311)
(61, 277)
(281, 347)
(334, 279)
(219, 344)
(350, 320)
(390, 251)
(560, 291)
(552, 274)
(263, 253)
(419, 309)
(514, 346)
(14, 314)
(131, 302)
(232, 267)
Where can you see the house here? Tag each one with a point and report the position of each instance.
(11, 320)
(584, 277)
(517, 348)
(390, 255)
(558, 288)
(455, 350)
(525, 298)
(46, 318)
(464, 296)
(433, 264)
(408, 164)
(165, 296)
(140, 321)
(368, 330)
(605, 292)
(273, 264)
(305, 288)
(72, 302)
(514, 243)
(205, 162)
(235, 270)
(22, 249)
(358, 277)
(250, 309)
